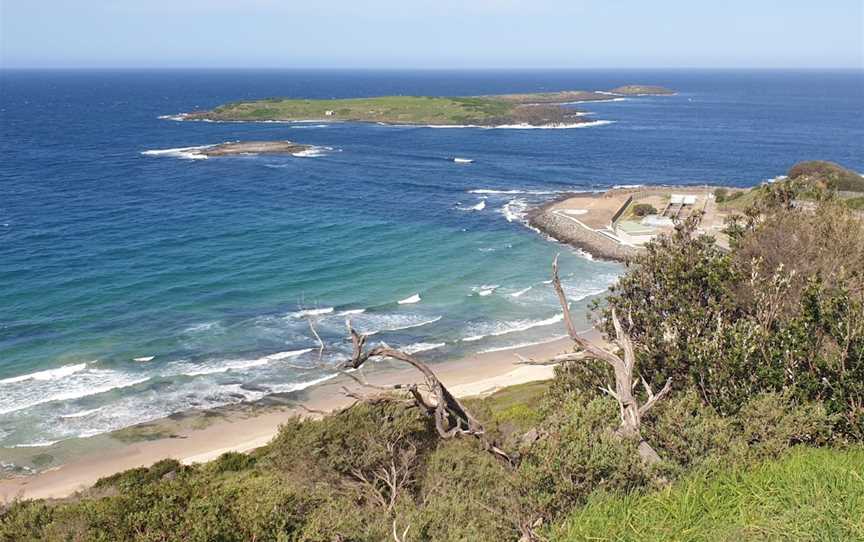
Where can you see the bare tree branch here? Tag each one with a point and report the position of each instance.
(450, 415)
(631, 411)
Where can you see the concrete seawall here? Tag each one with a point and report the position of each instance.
(572, 233)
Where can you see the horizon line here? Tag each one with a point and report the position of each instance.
(436, 68)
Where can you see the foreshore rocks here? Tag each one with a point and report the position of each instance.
(253, 147)
(571, 233)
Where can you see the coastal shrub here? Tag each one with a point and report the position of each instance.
(354, 445)
(770, 423)
(25, 521)
(139, 476)
(671, 299)
(644, 209)
(720, 194)
(232, 461)
(248, 507)
(828, 175)
(685, 431)
(779, 312)
(690, 434)
(578, 454)
(466, 494)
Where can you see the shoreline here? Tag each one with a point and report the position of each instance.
(243, 428)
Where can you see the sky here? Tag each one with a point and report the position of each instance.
(432, 33)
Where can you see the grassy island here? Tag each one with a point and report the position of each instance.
(538, 109)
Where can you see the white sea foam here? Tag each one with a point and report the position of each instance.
(410, 326)
(520, 345)
(503, 328)
(526, 126)
(81, 414)
(463, 160)
(561, 126)
(521, 292)
(287, 354)
(484, 289)
(371, 324)
(297, 386)
(533, 192)
(409, 300)
(144, 359)
(312, 152)
(185, 153)
(37, 444)
(350, 312)
(422, 347)
(514, 210)
(49, 374)
(312, 312)
(81, 383)
(222, 366)
(617, 99)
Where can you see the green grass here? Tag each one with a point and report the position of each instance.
(811, 494)
(855, 203)
(517, 405)
(389, 109)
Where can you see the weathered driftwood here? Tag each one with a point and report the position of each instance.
(631, 410)
(451, 417)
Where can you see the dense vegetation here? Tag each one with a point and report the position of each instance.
(765, 348)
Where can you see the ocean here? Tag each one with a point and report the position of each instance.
(137, 284)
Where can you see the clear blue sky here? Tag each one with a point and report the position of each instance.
(432, 33)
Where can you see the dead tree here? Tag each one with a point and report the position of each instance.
(631, 410)
(450, 415)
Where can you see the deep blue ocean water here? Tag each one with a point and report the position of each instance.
(108, 254)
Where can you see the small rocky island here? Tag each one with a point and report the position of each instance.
(252, 147)
(545, 109)
(235, 148)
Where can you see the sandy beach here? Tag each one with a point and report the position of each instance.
(248, 428)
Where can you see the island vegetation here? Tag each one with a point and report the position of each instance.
(729, 404)
(533, 109)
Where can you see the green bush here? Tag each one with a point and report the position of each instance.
(579, 454)
(644, 209)
(467, 495)
(232, 461)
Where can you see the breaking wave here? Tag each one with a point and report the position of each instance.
(410, 300)
(49, 374)
(503, 328)
(185, 153)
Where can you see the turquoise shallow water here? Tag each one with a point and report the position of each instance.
(110, 254)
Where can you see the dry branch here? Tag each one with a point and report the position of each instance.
(451, 417)
(631, 411)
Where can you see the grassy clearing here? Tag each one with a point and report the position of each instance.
(811, 494)
(389, 109)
